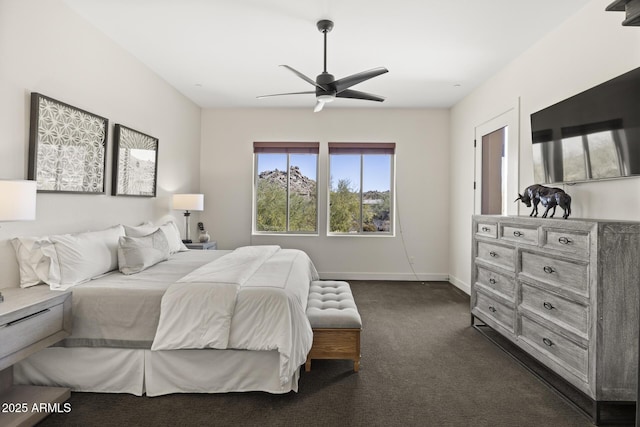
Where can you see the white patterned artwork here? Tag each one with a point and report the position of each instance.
(135, 164)
(67, 147)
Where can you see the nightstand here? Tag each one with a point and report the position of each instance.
(208, 246)
(30, 320)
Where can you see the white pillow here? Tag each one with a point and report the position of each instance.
(170, 230)
(34, 265)
(136, 254)
(77, 258)
(140, 230)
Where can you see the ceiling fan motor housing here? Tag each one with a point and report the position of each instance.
(327, 81)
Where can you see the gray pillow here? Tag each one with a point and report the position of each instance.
(136, 254)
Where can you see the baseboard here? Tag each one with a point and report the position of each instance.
(407, 277)
(464, 287)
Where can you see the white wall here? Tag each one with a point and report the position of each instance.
(589, 48)
(422, 192)
(47, 48)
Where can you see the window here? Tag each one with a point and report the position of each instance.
(286, 195)
(361, 188)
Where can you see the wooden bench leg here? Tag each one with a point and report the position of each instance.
(307, 364)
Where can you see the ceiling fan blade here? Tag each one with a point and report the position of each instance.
(347, 82)
(319, 106)
(303, 77)
(290, 93)
(356, 94)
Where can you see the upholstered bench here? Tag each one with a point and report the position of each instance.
(335, 321)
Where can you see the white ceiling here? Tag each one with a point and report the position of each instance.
(224, 53)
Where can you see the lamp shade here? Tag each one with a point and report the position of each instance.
(188, 202)
(17, 200)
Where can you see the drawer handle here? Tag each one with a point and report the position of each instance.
(548, 305)
(492, 281)
(518, 234)
(15, 322)
(492, 309)
(547, 342)
(564, 240)
(547, 269)
(493, 254)
(486, 229)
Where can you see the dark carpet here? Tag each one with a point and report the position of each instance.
(422, 365)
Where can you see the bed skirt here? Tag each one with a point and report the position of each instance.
(154, 373)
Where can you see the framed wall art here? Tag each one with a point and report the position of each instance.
(135, 163)
(67, 147)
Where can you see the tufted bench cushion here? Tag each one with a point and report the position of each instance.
(331, 305)
(335, 321)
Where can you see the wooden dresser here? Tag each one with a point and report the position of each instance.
(566, 292)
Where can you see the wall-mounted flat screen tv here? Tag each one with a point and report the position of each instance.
(590, 136)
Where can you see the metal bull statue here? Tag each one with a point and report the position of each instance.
(549, 197)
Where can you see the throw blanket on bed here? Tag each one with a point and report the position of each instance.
(253, 298)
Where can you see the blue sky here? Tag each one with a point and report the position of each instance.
(377, 168)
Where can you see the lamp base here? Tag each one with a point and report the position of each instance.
(187, 241)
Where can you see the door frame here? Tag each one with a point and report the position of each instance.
(509, 118)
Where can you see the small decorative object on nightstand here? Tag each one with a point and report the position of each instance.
(30, 320)
(203, 237)
(205, 246)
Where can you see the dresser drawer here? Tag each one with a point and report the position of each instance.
(561, 311)
(566, 352)
(500, 283)
(31, 328)
(568, 241)
(565, 274)
(499, 312)
(499, 255)
(520, 234)
(487, 229)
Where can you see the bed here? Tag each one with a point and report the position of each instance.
(199, 321)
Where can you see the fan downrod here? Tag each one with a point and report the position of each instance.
(324, 25)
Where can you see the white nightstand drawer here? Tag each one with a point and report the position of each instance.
(31, 328)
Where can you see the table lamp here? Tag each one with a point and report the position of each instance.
(188, 202)
(17, 202)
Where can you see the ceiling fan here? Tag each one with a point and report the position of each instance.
(327, 87)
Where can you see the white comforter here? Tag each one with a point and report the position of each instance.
(253, 298)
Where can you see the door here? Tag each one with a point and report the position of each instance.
(497, 163)
(492, 172)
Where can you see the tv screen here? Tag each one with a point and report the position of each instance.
(592, 135)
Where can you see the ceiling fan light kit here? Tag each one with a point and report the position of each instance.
(327, 88)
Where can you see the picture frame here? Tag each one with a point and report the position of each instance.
(135, 163)
(67, 147)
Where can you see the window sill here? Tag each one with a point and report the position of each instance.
(285, 234)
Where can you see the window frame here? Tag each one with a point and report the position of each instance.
(362, 149)
(288, 148)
